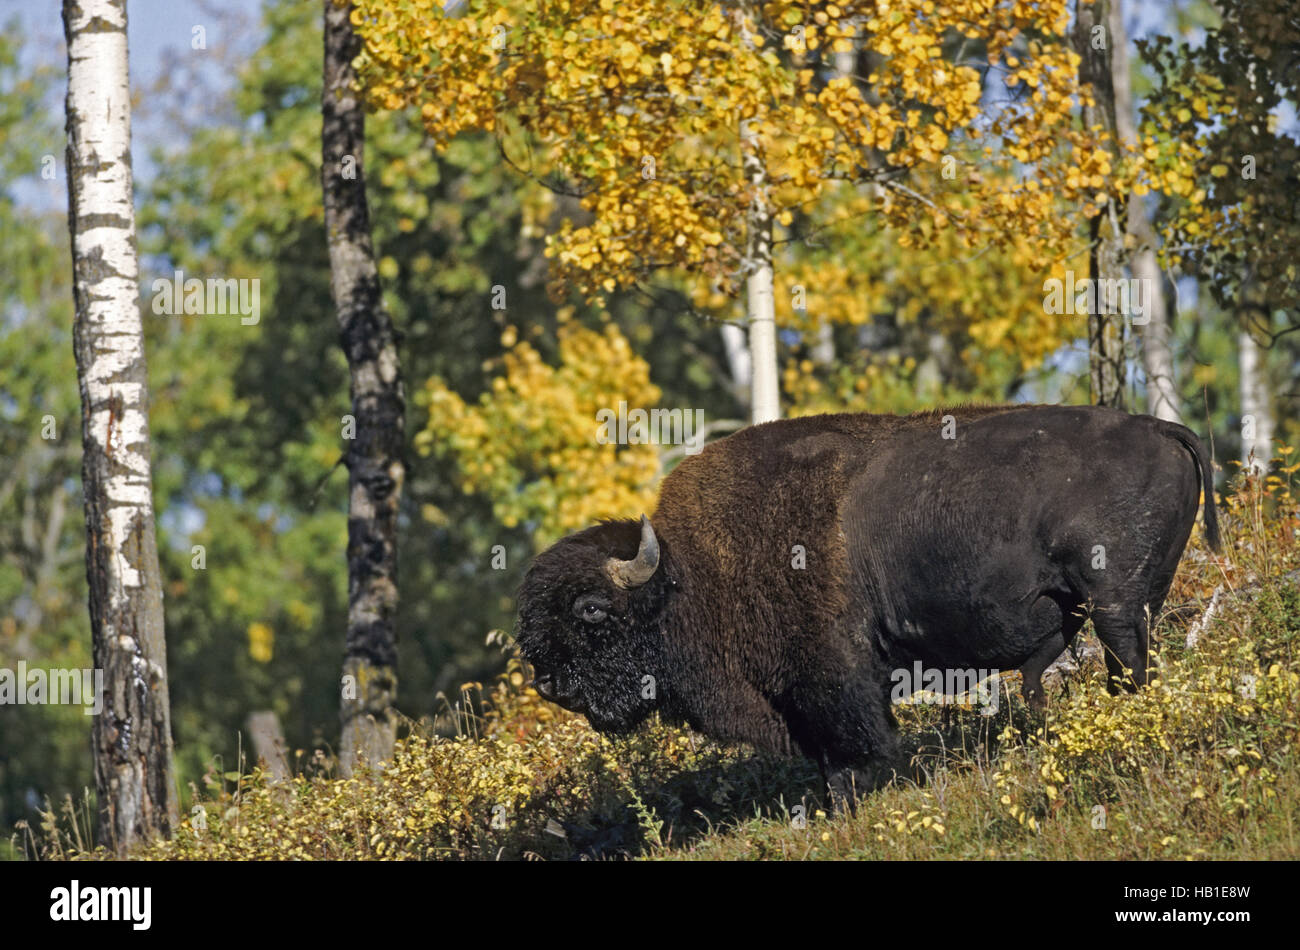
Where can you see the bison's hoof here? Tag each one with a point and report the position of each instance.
(845, 785)
(1036, 701)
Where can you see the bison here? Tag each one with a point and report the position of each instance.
(792, 568)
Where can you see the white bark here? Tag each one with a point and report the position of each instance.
(107, 270)
(765, 401)
(823, 349)
(846, 61)
(1256, 415)
(1157, 355)
(132, 737)
(760, 304)
(739, 364)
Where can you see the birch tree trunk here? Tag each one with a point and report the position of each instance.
(132, 741)
(822, 350)
(760, 304)
(374, 458)
(1256, 414)
(1157, 355)
(765, 402)
(1107, 367)
(736, 347)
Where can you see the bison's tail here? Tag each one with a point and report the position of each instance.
(1188, 438)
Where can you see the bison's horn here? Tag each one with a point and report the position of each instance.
(634, 573)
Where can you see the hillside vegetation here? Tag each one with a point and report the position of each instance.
(1200, 764)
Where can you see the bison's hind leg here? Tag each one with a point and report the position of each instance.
(1124, 633)
(1125, 606)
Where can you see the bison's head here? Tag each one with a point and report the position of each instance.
(590, 614)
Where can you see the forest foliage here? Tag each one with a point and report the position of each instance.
(537, 275)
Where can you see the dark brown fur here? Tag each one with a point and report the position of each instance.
(743, 644)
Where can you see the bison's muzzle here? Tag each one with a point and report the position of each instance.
(556, 690)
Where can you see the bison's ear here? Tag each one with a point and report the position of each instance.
(634, 573)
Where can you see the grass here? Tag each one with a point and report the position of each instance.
(1200, 764)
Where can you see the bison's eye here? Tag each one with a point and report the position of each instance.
(591, 609)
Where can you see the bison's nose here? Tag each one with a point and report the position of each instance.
(558, 690)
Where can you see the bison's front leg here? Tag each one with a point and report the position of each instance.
(846, 725)
(845, 783)
(1032, 673)
(1055, 627)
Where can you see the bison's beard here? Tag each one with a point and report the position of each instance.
(610, 715)
(613, 714)
(613, 724)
